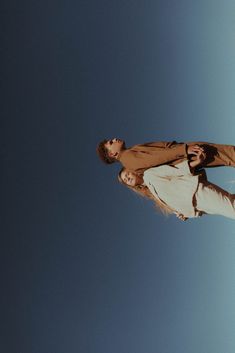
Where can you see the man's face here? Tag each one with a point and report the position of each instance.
(114, 146)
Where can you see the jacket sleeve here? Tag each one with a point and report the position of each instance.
(163, 144)
(152, 155)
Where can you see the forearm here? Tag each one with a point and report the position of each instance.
(150, 157)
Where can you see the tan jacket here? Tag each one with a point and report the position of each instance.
(141, 157)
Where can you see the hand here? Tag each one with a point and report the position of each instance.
(181, 216)
(195, 149)
(201, 157)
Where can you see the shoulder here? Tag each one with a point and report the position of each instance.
(151, 172)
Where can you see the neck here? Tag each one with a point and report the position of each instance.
(119, 153)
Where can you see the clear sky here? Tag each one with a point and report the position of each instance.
(86, 265)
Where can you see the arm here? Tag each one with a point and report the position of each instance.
(165, 170)
(164, 144)
(156, 153)
(152, 155)
(184, 168)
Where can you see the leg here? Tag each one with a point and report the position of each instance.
(217, 155)
(213, 200)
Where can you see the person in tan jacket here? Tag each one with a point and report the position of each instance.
(141, 157)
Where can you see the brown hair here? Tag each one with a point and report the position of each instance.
(143, 191)
(103, 153)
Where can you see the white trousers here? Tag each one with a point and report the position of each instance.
(211, 199)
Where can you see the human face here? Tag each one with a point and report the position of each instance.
(114, 146)
(130, 178)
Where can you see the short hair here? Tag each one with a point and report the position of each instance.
(103, 153)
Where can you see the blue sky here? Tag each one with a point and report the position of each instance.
(86, 265)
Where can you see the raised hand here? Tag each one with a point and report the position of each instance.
(200, 157)
(195, 149)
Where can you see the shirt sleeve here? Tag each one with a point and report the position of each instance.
(179, 169)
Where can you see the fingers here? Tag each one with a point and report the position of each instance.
(180, 216)
(202, 156)
(195, 149)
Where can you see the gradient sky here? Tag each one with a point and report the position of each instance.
(86, 265)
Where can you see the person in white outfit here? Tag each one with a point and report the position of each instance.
(178, 189)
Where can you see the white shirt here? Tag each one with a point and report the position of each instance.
(175, 186)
